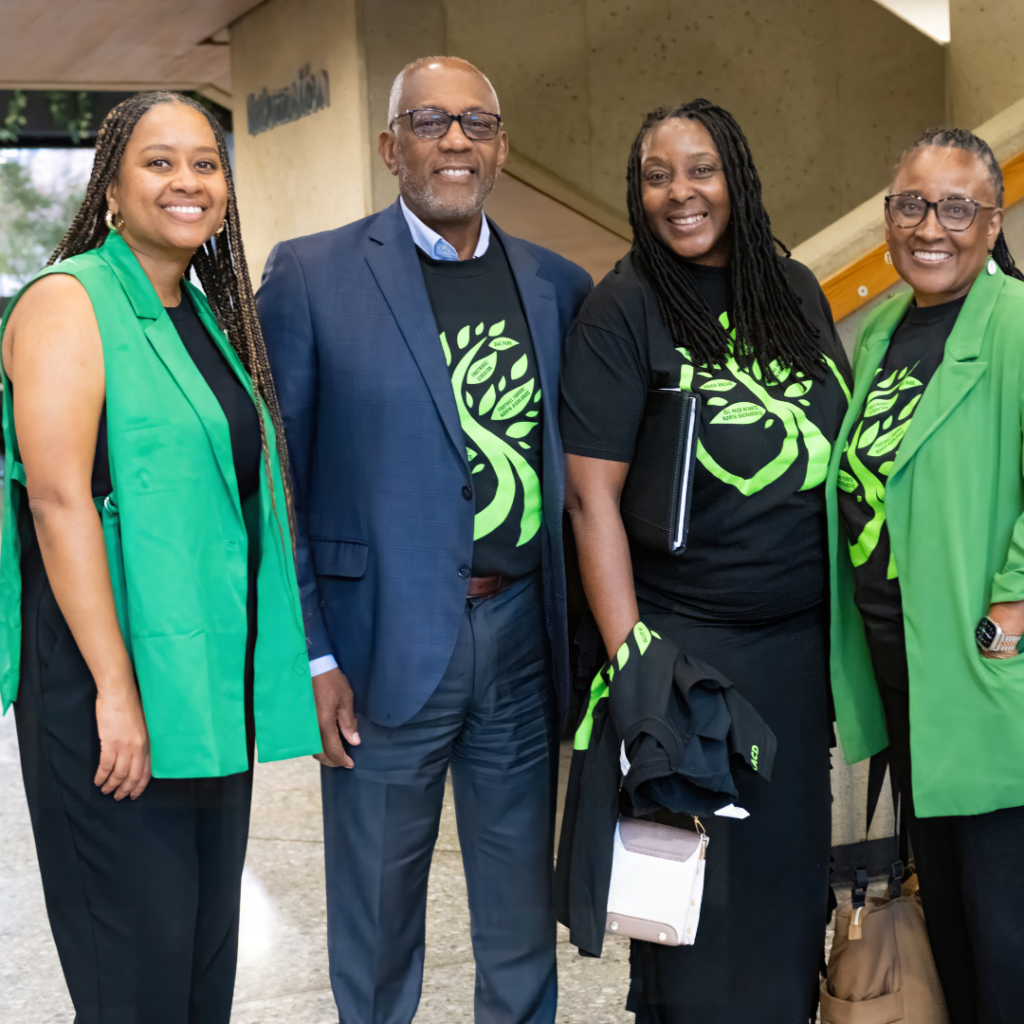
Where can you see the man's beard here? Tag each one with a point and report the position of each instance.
(417, 190)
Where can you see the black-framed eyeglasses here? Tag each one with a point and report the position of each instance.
(954, 213)
(427, 123)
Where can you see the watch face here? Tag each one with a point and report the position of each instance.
(985, 634)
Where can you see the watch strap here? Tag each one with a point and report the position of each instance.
(1005, 642)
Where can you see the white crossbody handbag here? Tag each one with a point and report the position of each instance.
(657, 882)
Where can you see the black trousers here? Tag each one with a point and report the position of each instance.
(972, 888)
(142, 896)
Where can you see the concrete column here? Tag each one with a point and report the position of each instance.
(986, 58)
(313, 173)
(396, 32)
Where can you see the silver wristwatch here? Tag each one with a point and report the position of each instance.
(992, 640)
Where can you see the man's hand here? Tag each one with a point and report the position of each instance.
(335, 710)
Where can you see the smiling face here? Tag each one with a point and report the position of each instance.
(444, 180)
(939, 264)
(685, 195)
(170, 190)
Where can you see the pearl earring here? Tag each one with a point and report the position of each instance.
(991, 268)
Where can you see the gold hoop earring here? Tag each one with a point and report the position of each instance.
(223, 225)
(888, 257)
(109, 220)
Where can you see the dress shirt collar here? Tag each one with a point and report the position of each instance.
(433, 244)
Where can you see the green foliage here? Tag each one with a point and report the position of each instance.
(32, 222)
(71, 111)
(15, 118)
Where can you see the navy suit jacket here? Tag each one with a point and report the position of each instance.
(379, 458)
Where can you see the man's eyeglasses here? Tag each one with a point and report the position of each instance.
(434, 124)
(954, 213)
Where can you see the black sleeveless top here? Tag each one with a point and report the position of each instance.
(234, 399)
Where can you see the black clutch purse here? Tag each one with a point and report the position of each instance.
(655, 503)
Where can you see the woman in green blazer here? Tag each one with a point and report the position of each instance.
(150, 628)
(925, 502)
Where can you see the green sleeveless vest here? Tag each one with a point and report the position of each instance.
(177, 542)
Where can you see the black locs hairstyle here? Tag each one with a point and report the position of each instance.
(769, 323)
(220, 263)
(961, 138)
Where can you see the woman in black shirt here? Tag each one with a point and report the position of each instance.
(703, 302)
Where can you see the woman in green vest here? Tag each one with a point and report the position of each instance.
(925, 502)
(150, 626)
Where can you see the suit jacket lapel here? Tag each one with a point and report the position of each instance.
(959, 370)
(539, 304)
(395, 266)
(164, 339)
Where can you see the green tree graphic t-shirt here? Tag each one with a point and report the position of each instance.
(914, 354)
(757, 520)
(486, 342)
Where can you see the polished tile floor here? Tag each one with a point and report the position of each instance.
(282, 963)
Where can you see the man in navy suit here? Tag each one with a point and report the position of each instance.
(416, 358)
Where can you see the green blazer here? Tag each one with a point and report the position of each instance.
(954, 504)
(177, 542)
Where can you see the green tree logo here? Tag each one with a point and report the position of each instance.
(509, 405)
(767, 406)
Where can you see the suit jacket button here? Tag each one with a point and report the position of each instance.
(464, 571)
(467, 493)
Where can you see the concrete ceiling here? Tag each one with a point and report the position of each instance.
(117, 44)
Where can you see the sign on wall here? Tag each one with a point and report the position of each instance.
(306, 95)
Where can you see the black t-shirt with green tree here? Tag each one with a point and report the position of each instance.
(914, 354)
(756, 549)
(487, 347)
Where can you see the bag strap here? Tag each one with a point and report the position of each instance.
(876, 777)
(860, 893)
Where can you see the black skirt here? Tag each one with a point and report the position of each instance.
(761, 938)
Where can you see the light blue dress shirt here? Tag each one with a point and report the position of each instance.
(433, 244)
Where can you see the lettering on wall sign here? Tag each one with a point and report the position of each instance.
(306, 95)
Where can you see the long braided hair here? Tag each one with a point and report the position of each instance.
(770, 324)
(219, 263)
(961, 138)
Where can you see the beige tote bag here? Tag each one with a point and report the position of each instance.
(887, 976)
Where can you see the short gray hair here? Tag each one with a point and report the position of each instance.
(422, 62)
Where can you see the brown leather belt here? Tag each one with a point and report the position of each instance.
(487, 586)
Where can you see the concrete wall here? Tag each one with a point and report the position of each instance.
(827, 93)
(986, 58)
(314, 173)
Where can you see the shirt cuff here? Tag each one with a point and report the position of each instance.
(320, 665)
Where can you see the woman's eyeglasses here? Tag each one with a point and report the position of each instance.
(954, 213)
(434, 124)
